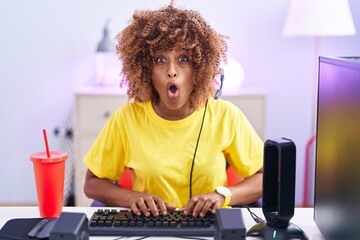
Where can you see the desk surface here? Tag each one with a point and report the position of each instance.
(303, 218)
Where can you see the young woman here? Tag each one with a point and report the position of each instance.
(173, 135)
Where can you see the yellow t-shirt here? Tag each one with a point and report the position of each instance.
(160, 151)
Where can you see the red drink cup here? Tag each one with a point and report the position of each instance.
(49, 178)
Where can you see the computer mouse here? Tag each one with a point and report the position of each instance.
(42, 229)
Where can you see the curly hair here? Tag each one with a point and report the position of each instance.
(165, 29)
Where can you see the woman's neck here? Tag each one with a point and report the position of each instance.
(170, 114)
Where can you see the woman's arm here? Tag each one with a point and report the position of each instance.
(105, 191)
(247, 191)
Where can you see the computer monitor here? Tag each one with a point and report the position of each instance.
(337, 169)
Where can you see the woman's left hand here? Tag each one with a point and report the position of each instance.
(199, 205)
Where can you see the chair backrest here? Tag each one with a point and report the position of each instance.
(232, 177)
(126, 180)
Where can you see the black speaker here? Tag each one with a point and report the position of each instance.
(229, 224)
(70, 226)
(278, 192)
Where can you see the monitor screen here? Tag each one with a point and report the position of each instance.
(337, 169)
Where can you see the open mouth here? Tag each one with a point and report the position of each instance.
(173, 90)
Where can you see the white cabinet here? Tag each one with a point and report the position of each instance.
(93, 107)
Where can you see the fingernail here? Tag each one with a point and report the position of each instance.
(164, 212)
(202, 214)
(147, 214)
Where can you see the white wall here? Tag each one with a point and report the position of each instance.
(47, 51)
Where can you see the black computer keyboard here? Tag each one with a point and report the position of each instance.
(112, 222)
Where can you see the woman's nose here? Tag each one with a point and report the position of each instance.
(172, 71)
(172, 74)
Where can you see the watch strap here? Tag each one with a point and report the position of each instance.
(226, 193)
(226, 202)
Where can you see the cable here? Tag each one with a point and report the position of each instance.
(186, 237)
(121, 237)
(197, 143)
(256, 218)
(144, 237)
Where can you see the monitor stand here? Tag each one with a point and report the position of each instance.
(264, 231)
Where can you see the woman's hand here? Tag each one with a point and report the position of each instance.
(148, 204)
(201, 204)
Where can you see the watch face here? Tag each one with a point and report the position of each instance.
(223, 191)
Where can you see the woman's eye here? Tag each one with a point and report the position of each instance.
(183, 59)
(160, 59)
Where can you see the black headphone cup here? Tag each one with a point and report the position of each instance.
(218, 93)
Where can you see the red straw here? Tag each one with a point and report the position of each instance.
(46, 143)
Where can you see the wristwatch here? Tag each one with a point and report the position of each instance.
(224, 191)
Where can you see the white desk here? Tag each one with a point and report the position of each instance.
(303, 218)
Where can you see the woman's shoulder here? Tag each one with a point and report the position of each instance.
(131, 105)
(226, 110)
(221, 105)
(132, 108)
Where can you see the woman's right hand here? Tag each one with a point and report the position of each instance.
(148, 204)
